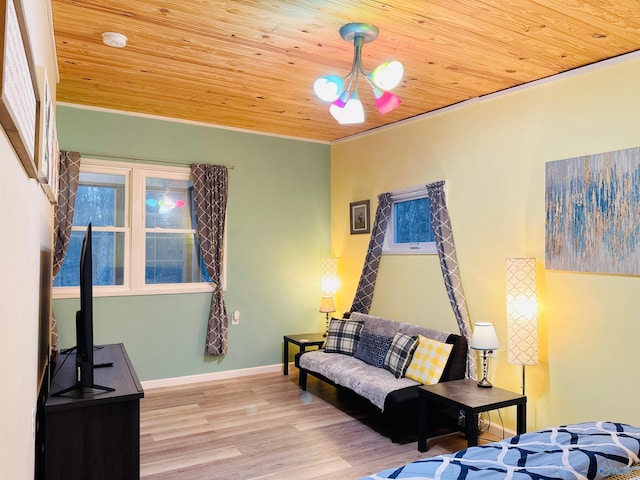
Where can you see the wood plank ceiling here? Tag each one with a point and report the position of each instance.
(250, 64)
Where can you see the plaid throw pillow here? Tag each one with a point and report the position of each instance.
(372, 348)
(428, 361)
(343, 336)
(399, 354)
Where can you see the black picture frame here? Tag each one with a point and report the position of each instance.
(359, 217)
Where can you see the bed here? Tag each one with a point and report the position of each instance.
(590, 450)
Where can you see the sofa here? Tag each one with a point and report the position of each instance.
(385, 362)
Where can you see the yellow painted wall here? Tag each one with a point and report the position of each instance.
(492, 154)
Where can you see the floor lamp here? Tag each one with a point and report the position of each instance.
(329, 287)
(522, 313)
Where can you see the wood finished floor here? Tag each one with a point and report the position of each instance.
(265, 427)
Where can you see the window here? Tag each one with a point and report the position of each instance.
(144, 237)
(409, 230)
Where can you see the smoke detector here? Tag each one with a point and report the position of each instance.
(114, 39)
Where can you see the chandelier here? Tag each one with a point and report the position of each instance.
(342, 93)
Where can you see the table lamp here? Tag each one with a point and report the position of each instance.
(484, 339)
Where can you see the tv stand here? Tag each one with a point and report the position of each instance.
(96, 434)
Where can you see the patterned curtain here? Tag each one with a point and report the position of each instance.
(364, 293)
(68, 186)
(210, 190)
(449, 265)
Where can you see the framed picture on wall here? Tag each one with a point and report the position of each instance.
(46, 159)
(18, 90)
(359, 216)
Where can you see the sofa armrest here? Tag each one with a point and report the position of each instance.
(456, 367)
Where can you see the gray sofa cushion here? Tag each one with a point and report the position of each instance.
(370, 382)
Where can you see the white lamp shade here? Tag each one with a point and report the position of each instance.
(327, 305)
(522, 311)
(329, 283)
(484, 337)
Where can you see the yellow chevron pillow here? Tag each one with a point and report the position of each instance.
(429, 360)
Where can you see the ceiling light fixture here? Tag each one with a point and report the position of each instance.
(346, 106)
(114, 39)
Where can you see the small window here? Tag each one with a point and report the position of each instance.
(409, 230)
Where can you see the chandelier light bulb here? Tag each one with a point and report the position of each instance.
(388, 75)
(386, 101)
(328, 88)
(353, 112)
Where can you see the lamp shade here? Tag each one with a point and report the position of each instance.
(327, 305)
(484, 337)
(329, 282)
(522, 311)
(386, 101)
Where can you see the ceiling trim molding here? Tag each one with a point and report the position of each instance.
(490, 96)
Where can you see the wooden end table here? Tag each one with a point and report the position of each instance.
(303, 341)
(472, 400)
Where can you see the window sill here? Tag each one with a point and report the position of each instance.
(121, 291)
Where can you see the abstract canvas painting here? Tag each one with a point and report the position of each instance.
(593, 213)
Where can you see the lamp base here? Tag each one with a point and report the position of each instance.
(484, 383)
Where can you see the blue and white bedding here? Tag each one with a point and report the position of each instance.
(591, 450)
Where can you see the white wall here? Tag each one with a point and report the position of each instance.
(26, 217)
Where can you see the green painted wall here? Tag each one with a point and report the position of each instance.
(278, 232)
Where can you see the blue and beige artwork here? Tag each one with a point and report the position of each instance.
(593, 213)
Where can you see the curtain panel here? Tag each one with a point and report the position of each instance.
(210, 191)
(364, 292)
(67, 189)
(449, 266)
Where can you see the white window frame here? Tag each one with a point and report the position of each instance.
(135, 232)
(389, 247)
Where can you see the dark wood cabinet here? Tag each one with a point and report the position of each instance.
(94, 434)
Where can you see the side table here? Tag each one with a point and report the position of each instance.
(303, 341)
(465, 395)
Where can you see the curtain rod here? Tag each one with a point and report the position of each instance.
(144, 160)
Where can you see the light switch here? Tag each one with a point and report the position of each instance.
(235, 319)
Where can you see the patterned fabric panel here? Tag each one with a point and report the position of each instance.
(399, 354)
(343, 336)
(590, 450)
(372, 348)
(428, 361)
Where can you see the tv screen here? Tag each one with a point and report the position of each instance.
(84, 326)
(84, 316)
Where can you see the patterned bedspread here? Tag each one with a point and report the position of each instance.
(591, 450)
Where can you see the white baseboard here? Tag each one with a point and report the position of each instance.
(207, 377)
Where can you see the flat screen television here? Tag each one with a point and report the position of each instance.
(84, 316)
(84, 324)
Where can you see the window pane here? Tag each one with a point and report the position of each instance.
(168, 203)
(100, 200)
(412, 223)
(107, 260)
(172, 258)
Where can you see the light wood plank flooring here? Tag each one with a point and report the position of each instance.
(265, 427)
